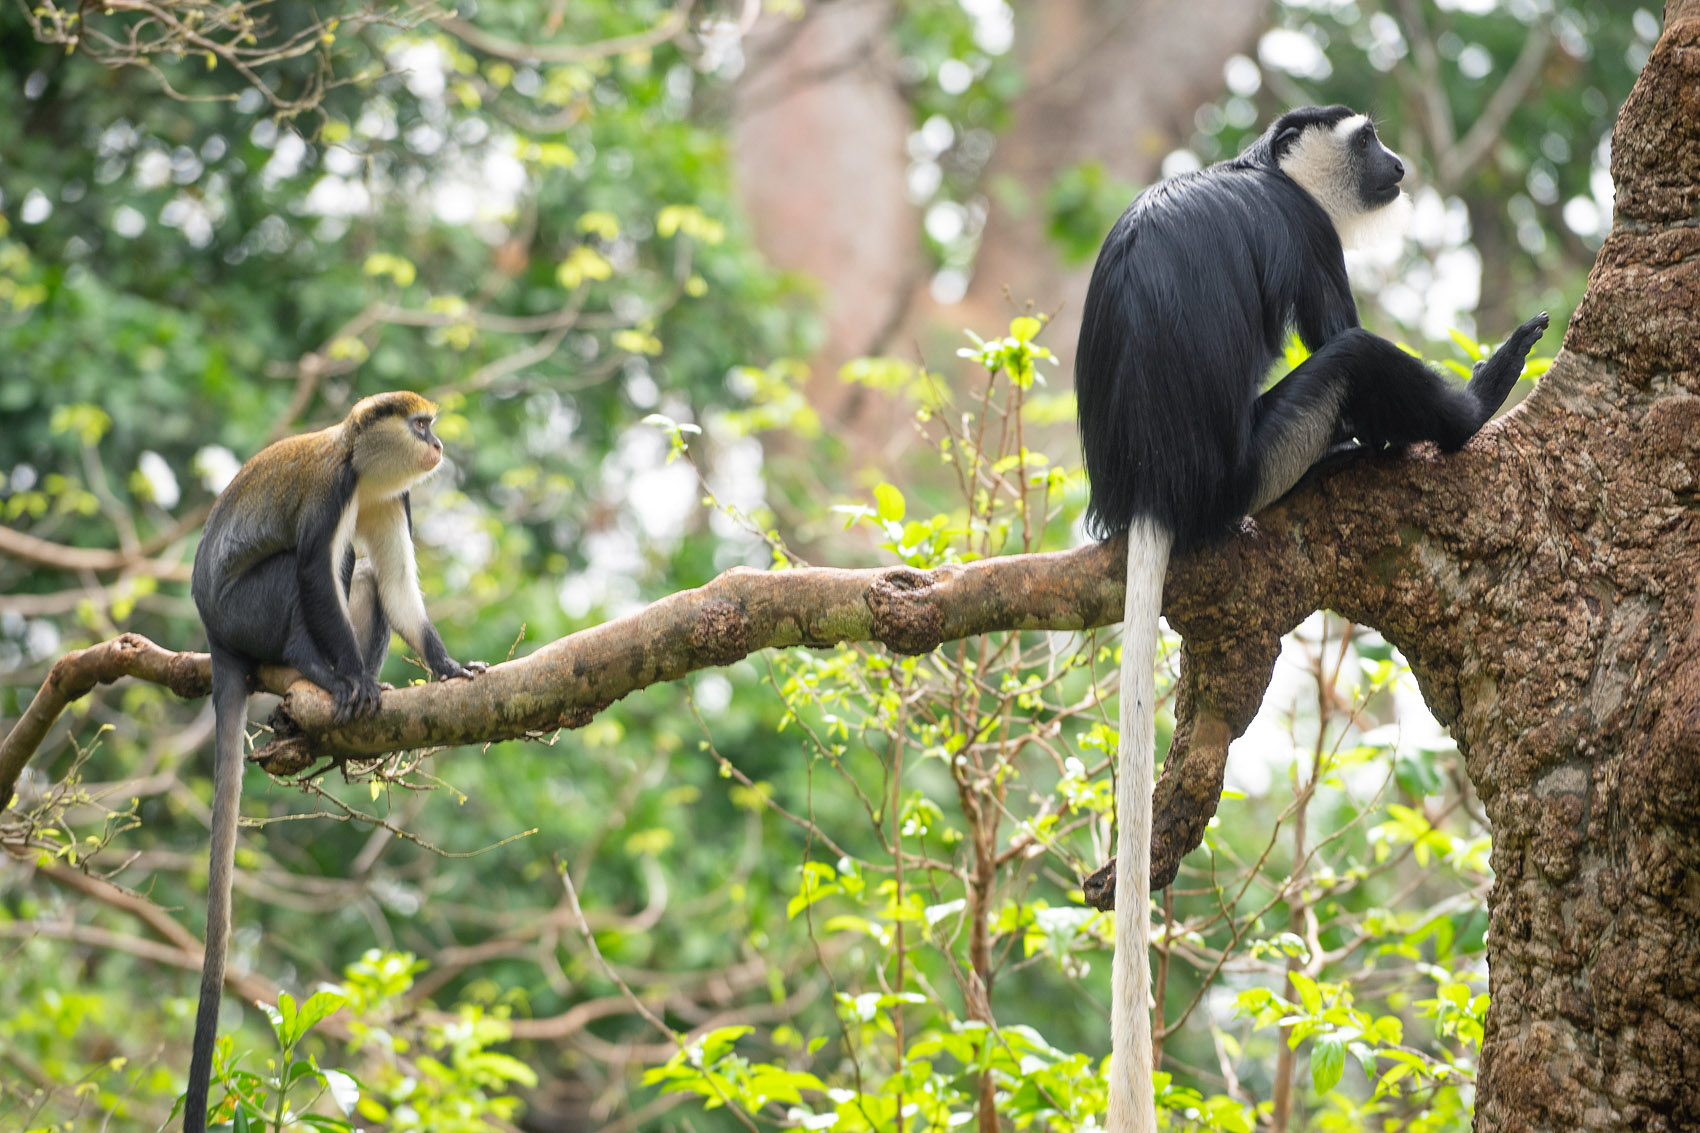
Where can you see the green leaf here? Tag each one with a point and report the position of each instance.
(320, 1005)
(718, 1042)
(1468, 345)
(888, 502)
(284, 1026)
(848, 923)
(329, 1124)
(1308, 993)
(1417, 774)
(1025, 328)
(783, 1085)
(501, 1068)
(1327, 1061)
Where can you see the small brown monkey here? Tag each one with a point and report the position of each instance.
(276, 582)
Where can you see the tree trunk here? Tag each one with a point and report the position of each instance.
(1580, 691)
(818, 134)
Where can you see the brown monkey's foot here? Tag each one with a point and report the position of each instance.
(355, 697)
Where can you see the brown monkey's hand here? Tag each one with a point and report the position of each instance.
(355, 697)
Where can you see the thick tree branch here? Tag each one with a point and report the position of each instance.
(565, 683)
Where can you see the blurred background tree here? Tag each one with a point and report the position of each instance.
(222, 223)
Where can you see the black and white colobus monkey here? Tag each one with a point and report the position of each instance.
(1192, 296)
(276, 582)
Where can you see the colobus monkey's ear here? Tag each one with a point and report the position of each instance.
(1285, 138)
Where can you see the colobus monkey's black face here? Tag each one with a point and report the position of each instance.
(1379, 168)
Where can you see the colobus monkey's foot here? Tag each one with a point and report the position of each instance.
(1523, 339)
(1492, 378)
(472, 668)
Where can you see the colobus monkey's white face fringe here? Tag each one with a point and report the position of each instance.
(1317, 160)
(1325, 164)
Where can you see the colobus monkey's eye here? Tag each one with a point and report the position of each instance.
(1363, 139)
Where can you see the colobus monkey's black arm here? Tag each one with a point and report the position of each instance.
(1193, 293)
(1365, 387)
(276, 582)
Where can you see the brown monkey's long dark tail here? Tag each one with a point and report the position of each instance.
(230, 708)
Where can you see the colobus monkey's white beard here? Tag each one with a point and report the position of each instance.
(1376, 228)
(1132, 1108)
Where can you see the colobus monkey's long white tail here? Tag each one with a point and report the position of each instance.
(1132, 1109)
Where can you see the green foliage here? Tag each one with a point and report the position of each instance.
(1014, 354)
(459, 1089)
(1081, 204)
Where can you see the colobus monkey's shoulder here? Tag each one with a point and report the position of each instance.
(1225, 213)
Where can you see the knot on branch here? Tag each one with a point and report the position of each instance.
(721, 633)
(906, 619)
(284, 756)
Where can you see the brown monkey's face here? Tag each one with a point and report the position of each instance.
(429, 447)
(394, 453)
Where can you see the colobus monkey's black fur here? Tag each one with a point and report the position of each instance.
(1193, 294)
(276, 582)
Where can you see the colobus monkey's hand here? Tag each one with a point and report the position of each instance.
(1493, 377)
(469, 670)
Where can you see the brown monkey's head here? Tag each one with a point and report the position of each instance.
(390, 439)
